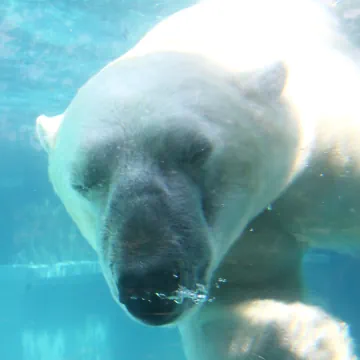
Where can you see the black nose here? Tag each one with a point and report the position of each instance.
(146, 295)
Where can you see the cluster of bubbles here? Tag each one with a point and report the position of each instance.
(198, 295)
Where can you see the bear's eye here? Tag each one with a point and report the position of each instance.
(80, 188)
(85, 189)
(197, 152)
(90, 181)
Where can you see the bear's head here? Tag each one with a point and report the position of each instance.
(157, 161)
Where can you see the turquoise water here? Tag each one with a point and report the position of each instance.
(54, 303)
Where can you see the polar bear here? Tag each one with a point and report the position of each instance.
(205, 161)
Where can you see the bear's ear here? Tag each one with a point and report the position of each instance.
(266, 83)
(47, 129)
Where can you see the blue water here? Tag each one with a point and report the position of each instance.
(52, 311)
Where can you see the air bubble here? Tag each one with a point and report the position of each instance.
(198, 296)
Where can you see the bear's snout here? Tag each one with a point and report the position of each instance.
(151, 296)
(151, 279)
(156, 265)
(160, 248)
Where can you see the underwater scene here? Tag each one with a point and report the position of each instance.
(78, 225)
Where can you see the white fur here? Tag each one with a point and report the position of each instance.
(322, 90)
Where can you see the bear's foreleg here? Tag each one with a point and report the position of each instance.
(269, 330)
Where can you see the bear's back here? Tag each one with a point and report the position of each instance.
(323, 83)
(240, 36)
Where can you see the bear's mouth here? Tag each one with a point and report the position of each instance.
(160, 297)
(154, 308)
(152, 297)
